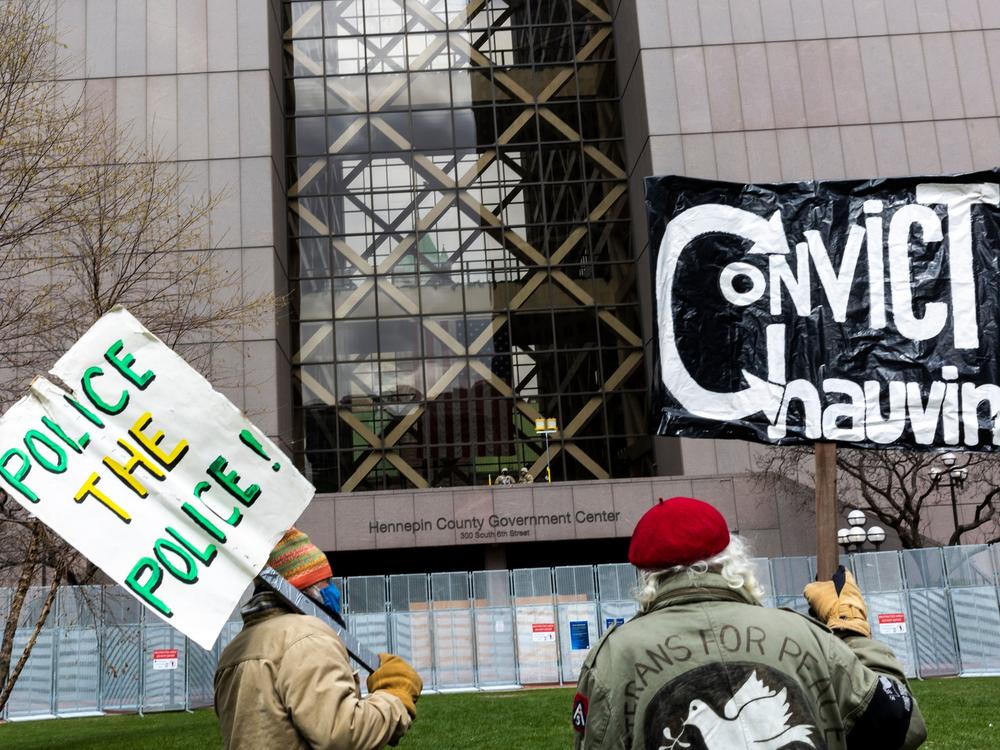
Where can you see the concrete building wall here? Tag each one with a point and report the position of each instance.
(199, 81)
(777, 90)
(776, 520)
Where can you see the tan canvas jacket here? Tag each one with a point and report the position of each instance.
(285, 682)
(707, 660)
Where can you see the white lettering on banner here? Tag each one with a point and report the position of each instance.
(760, 395)
(836, 408)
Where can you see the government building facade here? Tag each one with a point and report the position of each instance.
(448, 196)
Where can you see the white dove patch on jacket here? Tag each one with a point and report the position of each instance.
(730, 707)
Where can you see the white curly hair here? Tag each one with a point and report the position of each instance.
(733, 564)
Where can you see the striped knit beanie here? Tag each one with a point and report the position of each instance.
(299, 561)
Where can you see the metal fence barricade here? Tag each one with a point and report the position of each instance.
(490, 628)
(616, 588)
(535, 618)
(789, 576)
(935, 647)
(164, 687)
(969, 565)
(33, 694)
(762, 569)
(77, 684)
(877, 571)
(880, 577)
(410, 623)
(121, 651)
(366, 613)
(454, 650)
(496, 657)
(974, 602)
(576, 607)
(201, 674)
(924, 568)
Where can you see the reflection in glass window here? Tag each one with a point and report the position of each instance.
(458, 218)
(315, 300)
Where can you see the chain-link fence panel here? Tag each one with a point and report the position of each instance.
(229, 631)
(877, 572)
(454, 649)
(936, 608)
(121, 651)
(934, 642)
(496, 658)
(615, 613)
(201, 674)
(924, 568)
(977, 622)
(578, 629)
(78, 668)
(411, 630)
(575, 583)
(617, 584)
(33, 694)
(164, 667)
(762, 570)
(970, 565)
(77, 683)
(577, 611)
(889, 617)
(789, 575)
(367, 617)
(535, 618)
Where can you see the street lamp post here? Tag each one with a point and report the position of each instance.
(951, 476)
(853, 537)
(546, 426)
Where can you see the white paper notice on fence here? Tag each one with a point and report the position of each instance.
(151, 473)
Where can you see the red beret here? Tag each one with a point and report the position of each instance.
(678, 531)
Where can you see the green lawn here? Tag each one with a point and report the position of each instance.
(961, 714)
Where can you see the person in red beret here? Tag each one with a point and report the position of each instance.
(285, 680)
(704, 666)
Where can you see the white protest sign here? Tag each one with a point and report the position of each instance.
(151, 474)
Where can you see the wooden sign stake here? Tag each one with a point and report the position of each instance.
(827, 553)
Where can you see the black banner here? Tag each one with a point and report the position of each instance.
(861, 312)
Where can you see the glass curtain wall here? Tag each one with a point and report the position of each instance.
(460, 243)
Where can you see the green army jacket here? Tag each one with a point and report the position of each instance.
(706, 660)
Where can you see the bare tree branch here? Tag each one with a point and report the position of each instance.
(88, 221)
(895, 487)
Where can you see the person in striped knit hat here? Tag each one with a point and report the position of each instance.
(305, 566)
(286, 682)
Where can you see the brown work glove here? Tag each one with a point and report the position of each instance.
(839, 604)
(395, 676)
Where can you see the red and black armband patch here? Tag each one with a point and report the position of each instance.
(580, 712)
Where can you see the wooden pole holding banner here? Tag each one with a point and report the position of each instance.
(827, 553)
